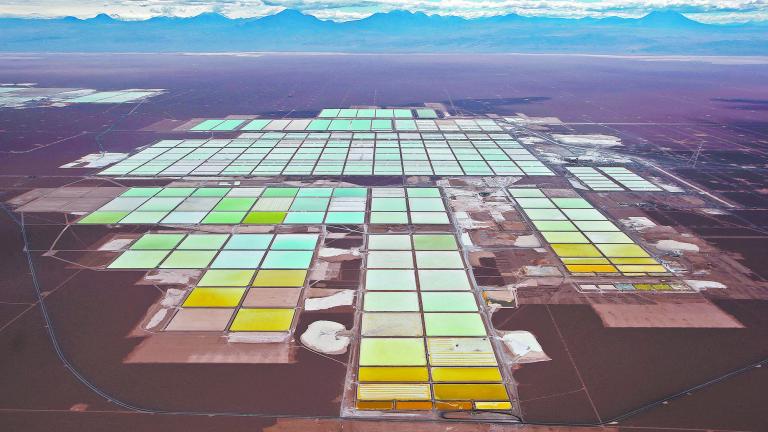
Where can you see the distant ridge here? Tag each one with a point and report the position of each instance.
(659, 32)
(102, 18)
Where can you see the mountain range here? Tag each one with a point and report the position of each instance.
(660, 32)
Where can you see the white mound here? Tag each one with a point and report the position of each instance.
(699, 285)
(341, 298)
(524, 347)
(676, 246)
(324, 337)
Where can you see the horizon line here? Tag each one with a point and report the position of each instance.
(117, 17)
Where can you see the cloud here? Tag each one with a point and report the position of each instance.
(704, 10)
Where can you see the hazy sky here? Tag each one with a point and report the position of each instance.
(701, 10)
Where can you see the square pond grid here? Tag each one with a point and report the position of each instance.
(423, 343)
(582, 237)
(353, 120)
(376, 113)
(334, 154)
(272, 206)
(250, 283)
(371, 125)
(661, 287)
(609, 179)
(629, 180)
